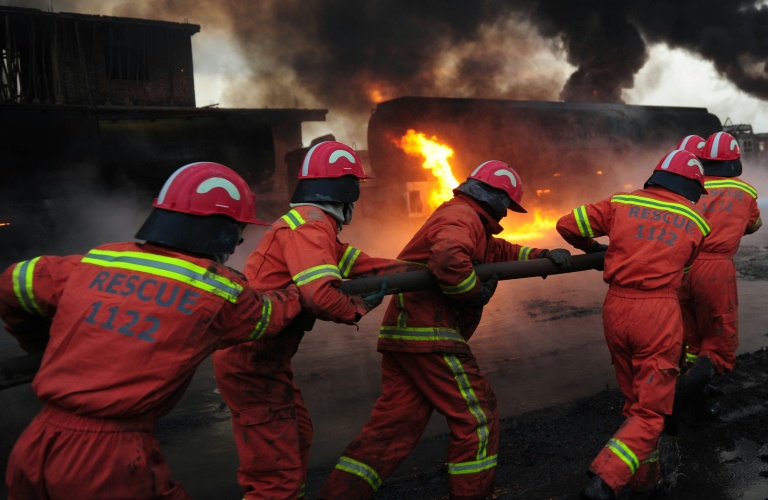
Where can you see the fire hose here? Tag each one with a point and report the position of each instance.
(21, 369)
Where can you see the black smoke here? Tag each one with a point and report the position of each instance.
(347, 54)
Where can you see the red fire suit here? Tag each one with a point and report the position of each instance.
(427, 363)
(708, 297)
(271, 424)
(654, 235)
(129, 323)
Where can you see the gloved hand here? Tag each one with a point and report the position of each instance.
(487, 289)
(375, 299)
(560, 257)
(598, 247)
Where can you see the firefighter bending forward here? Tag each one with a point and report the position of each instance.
(426, 361)
(655, 234)
(708, 297)
(271, 424)
(129, 323)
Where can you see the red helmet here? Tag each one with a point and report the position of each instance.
(693, 144)
(201, 208)
(721, 146)
(499, 175)
(331, 160)
(331, 172)
(680, 171)
(207, 188)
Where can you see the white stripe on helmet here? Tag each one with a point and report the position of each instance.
(668, 159)
(507, 173)
(715, 145)
(340, 153)
(219, 182)
(479, 167)
(305, 166)
(167, 185)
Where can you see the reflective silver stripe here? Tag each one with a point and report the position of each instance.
(23, 274)
(167, 267)
(348, 261)
(420, 334)
(468, 393)
(642, 201)
(403, 314)
(263, 323)
(316, 272)
(466, 285)
(726, 183)
(361, 470)
(582, 221)
(624, 453)
(293, 219)
(473, 467)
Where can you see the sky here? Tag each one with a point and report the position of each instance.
(346, 55)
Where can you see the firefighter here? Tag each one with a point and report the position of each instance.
(708, 297)
(271, 423)
(426, 361)
(655, 234)
(126, 326)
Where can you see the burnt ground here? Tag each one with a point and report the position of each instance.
(544, 454)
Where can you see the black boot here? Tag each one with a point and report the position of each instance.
(597, 489)
(691, 385)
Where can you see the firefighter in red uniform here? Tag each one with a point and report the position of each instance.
(272, 426)
(426, 361)
(655, 234)
(708, 297)
(129, 323)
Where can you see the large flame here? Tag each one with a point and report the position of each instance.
(436, 156)
(435, 159)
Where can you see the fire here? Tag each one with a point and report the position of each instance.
(436, 157)
(2, 224)
(541, 226)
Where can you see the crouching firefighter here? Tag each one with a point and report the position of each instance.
(126, 325)
(655, 234)
(426, 361)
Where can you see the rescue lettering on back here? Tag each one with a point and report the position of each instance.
(146, 289)
(717, 199)
(134, 323)
(666, 219)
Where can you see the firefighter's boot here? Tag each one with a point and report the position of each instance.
(597, 489)
(691, 385)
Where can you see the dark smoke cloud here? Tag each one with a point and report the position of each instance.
(348, 54)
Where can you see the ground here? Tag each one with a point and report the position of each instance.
(544, 454)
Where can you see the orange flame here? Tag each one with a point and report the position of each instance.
(436, 157)
(436, 160)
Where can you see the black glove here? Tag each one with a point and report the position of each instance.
(560, 257)
(598, 247)
(374, 300)
(487, 290)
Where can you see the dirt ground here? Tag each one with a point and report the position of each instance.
(544, 454)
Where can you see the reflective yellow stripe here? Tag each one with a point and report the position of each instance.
(360, 470)
(628, 199)
(525, 253)
(624, 453)
(167, 267)
(582, 221)
(466, 285)
(472, 467)
(420, 334)
(23, 286)
(348, 261)
(465, 387)
(726, 183)
(293, 219)
(653, 457)
(687, 269)
(403, 315)
(757, 224)
(263, 323)
(313, 273)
